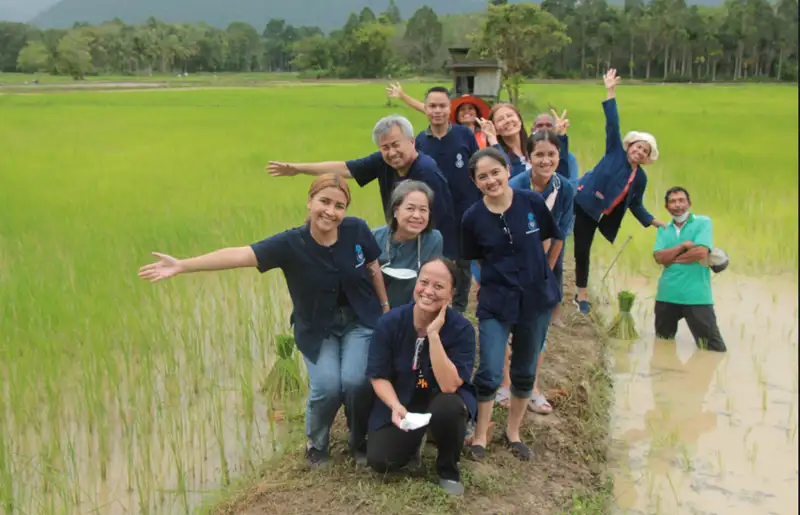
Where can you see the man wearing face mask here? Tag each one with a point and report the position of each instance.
(684, 288)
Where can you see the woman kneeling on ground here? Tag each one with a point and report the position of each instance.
(420, 361)
(548, 152)
(407, 240)
(518, 290)
(331, 268)
(617, 183)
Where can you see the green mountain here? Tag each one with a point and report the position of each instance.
(326, 14)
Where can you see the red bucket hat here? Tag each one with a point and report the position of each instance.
(481, 106)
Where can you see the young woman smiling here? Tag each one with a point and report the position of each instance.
(331, 268)
(549, 152)
(420, 361)
(505, 231)
(408, 239)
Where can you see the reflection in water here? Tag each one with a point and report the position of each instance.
(703, 432)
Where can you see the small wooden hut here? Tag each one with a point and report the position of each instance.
(480, 77)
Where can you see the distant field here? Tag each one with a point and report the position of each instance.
(92, 358)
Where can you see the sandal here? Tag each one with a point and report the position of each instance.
(503, 397)
(538, 404)
(518, 449)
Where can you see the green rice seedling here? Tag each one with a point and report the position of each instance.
(285, 381)
(685, 458)
(623, 326)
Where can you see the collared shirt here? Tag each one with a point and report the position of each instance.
(367, 169)
(409, 254)
(391, 355)
(452, 153)
(563, 211)
(688, 284)
(516, 280)
(314, 275)
(599, 188)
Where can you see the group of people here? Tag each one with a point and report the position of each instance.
(378, 314)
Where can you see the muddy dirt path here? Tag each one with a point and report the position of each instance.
(701, 432)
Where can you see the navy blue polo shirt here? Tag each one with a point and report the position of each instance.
(516, 281)
(315, 274)
(451, 153)
(391, 354)
(424, 169)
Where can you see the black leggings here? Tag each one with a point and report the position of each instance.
(390, 448)
(582, 237)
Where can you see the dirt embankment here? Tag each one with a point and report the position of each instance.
(566, 475)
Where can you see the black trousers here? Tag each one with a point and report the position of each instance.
(701, 319)
(582, 236)
(390, 448)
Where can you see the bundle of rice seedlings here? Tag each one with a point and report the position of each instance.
(285, 381)
(623, 326)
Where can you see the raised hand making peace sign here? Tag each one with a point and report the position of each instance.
(487, 127)
(561, 123)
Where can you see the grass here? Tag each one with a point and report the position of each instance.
(107, 380)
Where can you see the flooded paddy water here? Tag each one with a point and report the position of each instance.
(699, 432)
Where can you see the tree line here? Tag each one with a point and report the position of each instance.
(659, 40)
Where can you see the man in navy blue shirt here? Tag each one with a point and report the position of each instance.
(451, 146)
(396, 160)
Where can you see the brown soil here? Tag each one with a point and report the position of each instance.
(566, 474)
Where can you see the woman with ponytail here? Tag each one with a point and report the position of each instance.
(331, 268)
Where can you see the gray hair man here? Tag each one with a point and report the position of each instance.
(396, 160)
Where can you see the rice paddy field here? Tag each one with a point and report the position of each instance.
(118, 396)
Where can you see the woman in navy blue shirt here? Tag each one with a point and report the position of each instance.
(420, 361)
(548, 152)
(617, 183)
(331, 268)
(506, 123)
(408, 240)
(505, 231)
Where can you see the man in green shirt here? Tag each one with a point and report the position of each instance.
(684, 288)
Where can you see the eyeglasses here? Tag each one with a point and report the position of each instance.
(506, 229)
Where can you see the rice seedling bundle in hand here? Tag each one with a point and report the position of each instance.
(285, 381)
(623, 326)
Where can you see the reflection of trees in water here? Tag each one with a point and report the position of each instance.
(677, 420)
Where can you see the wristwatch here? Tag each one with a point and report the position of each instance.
(385, 304)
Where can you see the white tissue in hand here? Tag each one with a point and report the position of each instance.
(415, 421)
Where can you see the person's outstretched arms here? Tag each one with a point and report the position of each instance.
(281, 169)
(613, 136)
(396, 91)
(223, 259)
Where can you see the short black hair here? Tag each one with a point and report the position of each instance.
(677, 189)
(438, 89)
(538, 136)
(480, 154)
(451, 266)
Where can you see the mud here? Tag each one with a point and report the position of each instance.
(702, 432)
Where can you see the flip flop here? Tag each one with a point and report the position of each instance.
(538, 404)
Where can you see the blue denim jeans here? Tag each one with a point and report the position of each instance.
(526, 345)
(339, 377)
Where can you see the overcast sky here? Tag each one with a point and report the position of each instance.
(22, 10)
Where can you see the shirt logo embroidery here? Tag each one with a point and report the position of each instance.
(532, 225)
(359, 256)
(459, 161)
